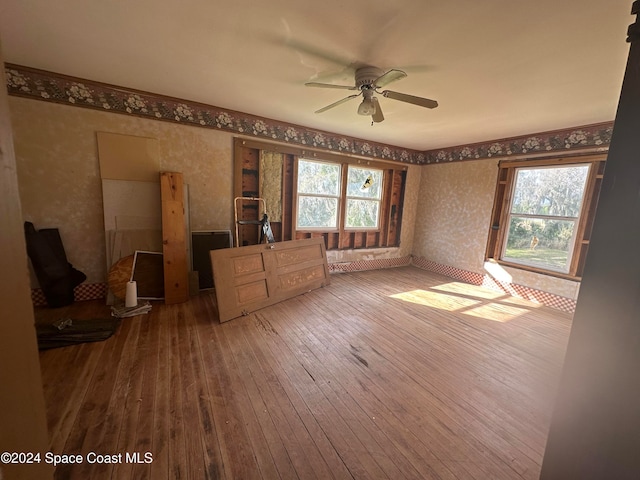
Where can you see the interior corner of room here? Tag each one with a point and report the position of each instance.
(433, 215)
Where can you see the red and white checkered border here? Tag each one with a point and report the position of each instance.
(448, 271)
(85, 291)
(360, 265)
(538, 296)
(93, 291)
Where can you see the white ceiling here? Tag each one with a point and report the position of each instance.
(498, 68)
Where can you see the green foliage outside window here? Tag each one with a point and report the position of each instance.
(319, 195)
(543, 217)
(364, 190)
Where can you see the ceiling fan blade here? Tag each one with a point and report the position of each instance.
(377, 116)
(403, 97)
(315, 51)
(339, 102)
(387, 78)
(330, 85)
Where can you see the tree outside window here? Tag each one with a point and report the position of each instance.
(320, 197)
(354, 203)
(364, 192)
(318, 194)
(544, 214)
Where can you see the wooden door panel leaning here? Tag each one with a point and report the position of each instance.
(253, 277)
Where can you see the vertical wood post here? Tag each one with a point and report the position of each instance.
(595, 429)
(23, 419)
(174, 244)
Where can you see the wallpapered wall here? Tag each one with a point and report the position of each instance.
(59, 177)
(446, 213)
(452, 223)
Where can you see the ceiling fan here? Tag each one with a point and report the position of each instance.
(369, 80)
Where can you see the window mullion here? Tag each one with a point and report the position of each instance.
(294, 199)
(318, 195)
(546, 217)
(342, 200)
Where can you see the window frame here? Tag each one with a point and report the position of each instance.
(501, 214)
(338, 196)
(247, 173)
(378, 200)
(342, 198)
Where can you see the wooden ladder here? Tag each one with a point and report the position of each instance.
(266, 235)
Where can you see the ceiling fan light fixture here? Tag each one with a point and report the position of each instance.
(368, 80)
(367, 107)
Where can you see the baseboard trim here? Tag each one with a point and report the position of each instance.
(94, 291)
(538, 296)
(84, 291)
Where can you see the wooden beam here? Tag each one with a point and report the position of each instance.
(174, 244)
(22, 416)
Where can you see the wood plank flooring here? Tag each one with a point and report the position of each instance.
(397, 373)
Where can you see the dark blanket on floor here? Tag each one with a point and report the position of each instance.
(68, 331)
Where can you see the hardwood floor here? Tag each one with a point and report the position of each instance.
(395, 373)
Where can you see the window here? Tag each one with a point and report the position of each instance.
(543, 218)
(364, 192)
(351, 202)
(318, 194)
(543, 214)
(320, 199)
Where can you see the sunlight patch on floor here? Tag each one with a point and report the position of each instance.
(481, 303)
(435, 299)
(466, 290)
(486, 294)
(497, 312)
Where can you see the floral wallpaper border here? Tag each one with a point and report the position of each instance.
(47, 86)
(53, 87)
(590, 137)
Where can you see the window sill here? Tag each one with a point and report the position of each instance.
(541, 271)
(346, 230)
